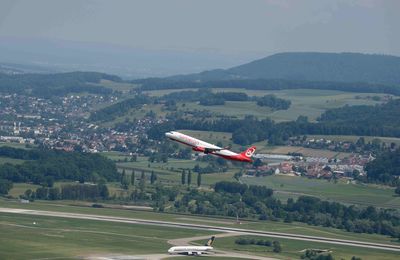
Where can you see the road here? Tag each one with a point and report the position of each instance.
(239, 231)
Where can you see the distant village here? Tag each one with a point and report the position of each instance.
(61, 123)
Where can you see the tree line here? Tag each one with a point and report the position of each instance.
(236, 200)
(69, 192)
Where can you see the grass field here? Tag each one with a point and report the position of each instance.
(363, 194)
(291, 249)
(20, 188)
(310, 102)
(118, 86)
(210, 136)
(232, 108)
(296, 228)
(262, 147)
(37, 237)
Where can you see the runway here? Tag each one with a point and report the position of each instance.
(237, 231)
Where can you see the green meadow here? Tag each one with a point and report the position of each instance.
(342, 191)
(38, 237)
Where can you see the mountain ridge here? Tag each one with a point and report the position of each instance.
(310, 66)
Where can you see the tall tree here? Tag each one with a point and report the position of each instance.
(124, 180)
(199, 179)
(123, 175)
(133, 178)
(153, 177)
(142, 184)
(189, 179)
(276, 246)
(183, 177)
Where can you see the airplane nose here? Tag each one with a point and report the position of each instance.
(168, 134)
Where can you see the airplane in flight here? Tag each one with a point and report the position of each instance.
(192, 250)
(207, 148)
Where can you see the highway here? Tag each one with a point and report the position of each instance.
(239, 231)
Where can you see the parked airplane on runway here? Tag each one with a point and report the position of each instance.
(207, 148)
(192, 250)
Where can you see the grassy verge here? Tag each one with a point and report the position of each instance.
(342, 191)
(33, 237)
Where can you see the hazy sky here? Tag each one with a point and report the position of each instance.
(228, 26)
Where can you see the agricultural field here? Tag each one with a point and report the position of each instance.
(20, 188)
(238, 109)
(38, 237)
(308, 102)
(354, 138)
(342, 191)
(117, 86)
(209, 136)
(162, 92)
(293, 249)
(309, 152)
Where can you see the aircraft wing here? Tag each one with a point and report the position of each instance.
(206, 149)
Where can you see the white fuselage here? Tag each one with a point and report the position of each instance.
(190, 250)
(193, 142)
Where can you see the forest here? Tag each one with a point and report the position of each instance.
(46, 166)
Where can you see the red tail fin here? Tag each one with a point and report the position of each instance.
(249, 152)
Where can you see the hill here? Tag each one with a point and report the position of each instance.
(311, 66)
(46, 85)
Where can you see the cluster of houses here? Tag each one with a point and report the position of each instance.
(312, 167)
(60, 123)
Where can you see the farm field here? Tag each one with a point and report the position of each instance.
(292, 249)
(238, 109)
(308, 102)
(362, 194)
(118, 86)
(38, 237)
(20, 188)
(309, 152)
(354, 138)
(295, 228)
